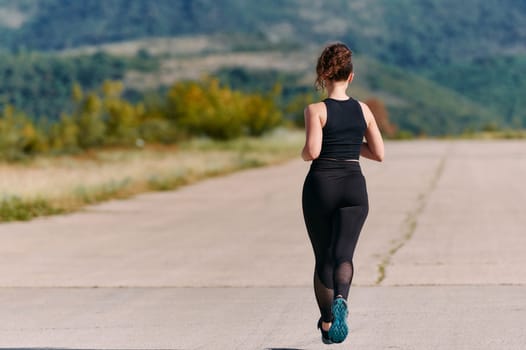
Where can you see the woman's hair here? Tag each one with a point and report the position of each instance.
(334, 64)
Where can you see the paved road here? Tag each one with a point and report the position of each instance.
(225, 264)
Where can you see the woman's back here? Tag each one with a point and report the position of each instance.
(344, 130)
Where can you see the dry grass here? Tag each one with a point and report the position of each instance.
(181, 45)
(191, 57)
(506, 134)
(67, 183)
(195, 67)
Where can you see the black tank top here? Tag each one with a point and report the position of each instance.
(344, 130)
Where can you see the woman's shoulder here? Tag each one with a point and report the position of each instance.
(367, 114)
(315, 107)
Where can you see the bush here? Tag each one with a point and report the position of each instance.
(64, 135)
(262, 114)
(381, 116)
(88, 117)
(13, 208)
(206, 108)
(296, 107)
(19, 137)
(122, 118)
(103, 117)
(158, 130)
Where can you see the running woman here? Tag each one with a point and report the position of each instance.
(339, 130)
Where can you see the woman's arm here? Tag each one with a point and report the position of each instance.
(313, 132)
(373, 148)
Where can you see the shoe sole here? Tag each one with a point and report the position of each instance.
(339, 329)
(326, 341)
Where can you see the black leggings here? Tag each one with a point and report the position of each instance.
(335, 206)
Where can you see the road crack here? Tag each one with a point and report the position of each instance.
(411, 221)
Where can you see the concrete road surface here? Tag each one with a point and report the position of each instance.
(226, 264)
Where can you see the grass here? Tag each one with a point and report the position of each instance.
(14, 208)
(53, 185)
(505, 134)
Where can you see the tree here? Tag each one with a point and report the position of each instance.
(381, 115)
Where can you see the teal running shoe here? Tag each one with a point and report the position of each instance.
(339, 329)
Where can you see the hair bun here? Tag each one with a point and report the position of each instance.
(334, 64)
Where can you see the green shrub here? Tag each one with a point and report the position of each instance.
(96, 194)
(262, 114)
(14, 208)
(64, 135)
(19, 137)
(104, 118)
(158, 130)
(88, 116)
(206, 108)
(295, 107)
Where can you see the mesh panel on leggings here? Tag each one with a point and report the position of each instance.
(324, 297)
(343, 274)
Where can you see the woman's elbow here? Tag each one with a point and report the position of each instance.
(310, 154)
(379, 155)
(372, 153)
(376, 154)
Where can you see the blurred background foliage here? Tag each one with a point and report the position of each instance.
(102, 118)
(76, 75)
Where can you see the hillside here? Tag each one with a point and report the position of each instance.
(404, 32)
(497, 83)
(431, 57)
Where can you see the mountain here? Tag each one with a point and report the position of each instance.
(409, 33)
(464, 53)
(60, 24)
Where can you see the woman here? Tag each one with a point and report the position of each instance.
(335, 202)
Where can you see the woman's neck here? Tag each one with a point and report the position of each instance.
(338, 90)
